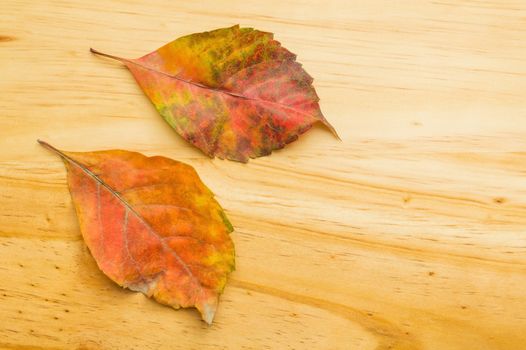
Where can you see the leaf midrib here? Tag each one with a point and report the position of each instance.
(203, 86)
(233, 94)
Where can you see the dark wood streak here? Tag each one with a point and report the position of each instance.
(386, 189)
(388, 335)
(10, 346)
(5, 38)
(393, 248)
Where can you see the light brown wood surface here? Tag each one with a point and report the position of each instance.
(410, 233)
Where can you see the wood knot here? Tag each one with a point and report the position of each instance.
(499, 200)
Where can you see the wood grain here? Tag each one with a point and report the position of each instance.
(408, 234)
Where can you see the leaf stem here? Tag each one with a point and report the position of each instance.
(51, 148)
(92, 50)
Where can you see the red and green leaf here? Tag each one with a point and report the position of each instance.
(152, 226)
(234, 93)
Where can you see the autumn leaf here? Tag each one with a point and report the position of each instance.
(234, 93)
(152, 226)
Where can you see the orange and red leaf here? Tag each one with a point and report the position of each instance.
(152, 226)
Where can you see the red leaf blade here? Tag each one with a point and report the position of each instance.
(234, 93)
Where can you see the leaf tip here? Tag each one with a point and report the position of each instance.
(208, 314)
(331, 129)
(208, 308)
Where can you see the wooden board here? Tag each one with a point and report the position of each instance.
(410, 233)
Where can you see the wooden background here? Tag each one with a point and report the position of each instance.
(410, 233)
